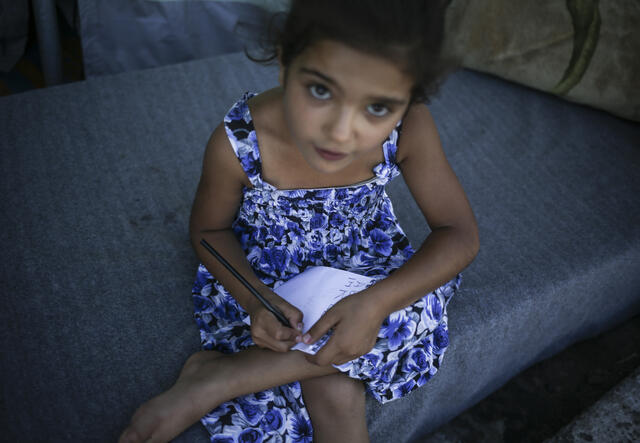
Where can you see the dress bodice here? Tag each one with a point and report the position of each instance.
(285, 230)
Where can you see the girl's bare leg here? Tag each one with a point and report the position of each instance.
(336, 405)
(207, 380)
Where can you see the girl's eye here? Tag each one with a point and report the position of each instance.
(378, 110)
(319, 92)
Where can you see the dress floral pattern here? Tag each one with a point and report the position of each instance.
(283, 232)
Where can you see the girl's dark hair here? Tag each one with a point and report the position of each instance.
(409, 32)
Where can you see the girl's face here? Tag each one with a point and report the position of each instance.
(340, 103)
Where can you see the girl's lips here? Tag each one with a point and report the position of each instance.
(330, 155)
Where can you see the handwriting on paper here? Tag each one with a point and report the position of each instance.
(315, 291)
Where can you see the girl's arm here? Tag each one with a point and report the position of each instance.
(452, 244)
(216, 204)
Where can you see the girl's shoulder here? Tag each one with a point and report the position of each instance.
(265, 110)
(418, 132)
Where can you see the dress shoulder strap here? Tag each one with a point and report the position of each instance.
(389, 169)
(390, 145)
(242, 136)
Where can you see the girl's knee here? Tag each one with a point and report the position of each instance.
(336, 392)
(337, 408)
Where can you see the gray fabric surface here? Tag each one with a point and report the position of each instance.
(97, 180)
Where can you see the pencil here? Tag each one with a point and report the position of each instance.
(275, 311)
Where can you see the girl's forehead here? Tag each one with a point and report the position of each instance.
(348, 66)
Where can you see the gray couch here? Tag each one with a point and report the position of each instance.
(97, 183)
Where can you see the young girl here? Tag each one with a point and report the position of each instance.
(294, 177)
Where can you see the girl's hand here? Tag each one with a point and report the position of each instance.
(266, 329)
(355, 322)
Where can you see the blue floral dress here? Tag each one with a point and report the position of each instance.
(283, 232)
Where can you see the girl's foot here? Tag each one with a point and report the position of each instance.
(167, 415)
(210, 378)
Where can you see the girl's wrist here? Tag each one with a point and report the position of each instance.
(250, 302)
(386, 297)
(374, 303)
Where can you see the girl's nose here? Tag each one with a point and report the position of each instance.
(341, 127)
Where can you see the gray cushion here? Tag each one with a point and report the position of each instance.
(97, 183)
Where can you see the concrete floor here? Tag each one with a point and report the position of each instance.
(558, 399)
(615, 417)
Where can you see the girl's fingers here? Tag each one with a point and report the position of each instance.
(325, 356)
(277, 346)
(294, 315)
(265, 340)
(320, 328)
(330, 354)
(291, 313)
(284, 333)
(268, 332)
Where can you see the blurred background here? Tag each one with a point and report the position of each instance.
(581, 50)
(51, 42)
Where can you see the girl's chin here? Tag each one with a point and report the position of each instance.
(325, 167)
(319, 164)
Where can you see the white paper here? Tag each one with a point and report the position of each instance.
(315, 291)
